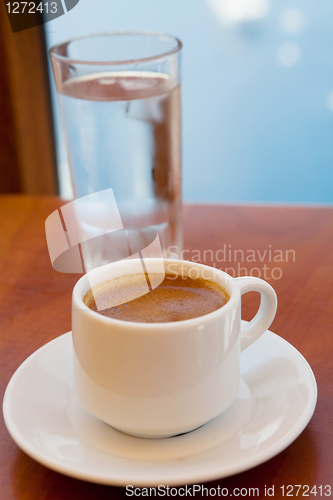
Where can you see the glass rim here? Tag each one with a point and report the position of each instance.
(156, 34)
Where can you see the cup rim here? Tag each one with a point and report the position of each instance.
(174, 50)
(78, 300)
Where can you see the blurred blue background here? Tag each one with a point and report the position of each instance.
(257, 92)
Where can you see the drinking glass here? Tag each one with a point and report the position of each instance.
(119, 98)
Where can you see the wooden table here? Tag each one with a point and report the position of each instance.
(35, 308)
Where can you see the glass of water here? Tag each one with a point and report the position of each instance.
(119, 97)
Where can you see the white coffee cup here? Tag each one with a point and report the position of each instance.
(163, 379)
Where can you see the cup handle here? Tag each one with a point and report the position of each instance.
(267, 309)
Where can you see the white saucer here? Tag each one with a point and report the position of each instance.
(276, 400)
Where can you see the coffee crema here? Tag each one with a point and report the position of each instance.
(177, 298)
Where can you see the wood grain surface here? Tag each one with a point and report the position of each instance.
(35, 308)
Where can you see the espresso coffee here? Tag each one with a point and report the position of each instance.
(177, 298)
